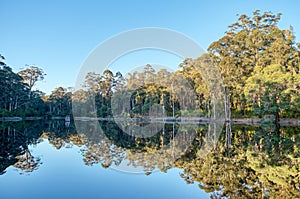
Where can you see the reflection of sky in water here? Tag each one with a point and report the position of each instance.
(64, 175)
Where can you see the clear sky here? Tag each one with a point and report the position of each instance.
(58, 35)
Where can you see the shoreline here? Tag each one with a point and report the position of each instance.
(191, 120)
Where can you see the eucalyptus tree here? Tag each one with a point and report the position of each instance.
(13, 93)
(31, 75)
(100, 87)
(267, 89)
(120, 81)
(193, 74)
(251, 42)
(59, 102)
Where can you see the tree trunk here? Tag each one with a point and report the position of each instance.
(277, 120)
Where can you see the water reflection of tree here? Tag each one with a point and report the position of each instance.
(27, 162)
(259, 164)
(59, 133)
(247, 162)
(14, 140)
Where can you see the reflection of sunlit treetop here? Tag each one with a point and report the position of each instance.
(26, 162)
(252, 166)
(78, 140)
(102, 153)
(120, 150)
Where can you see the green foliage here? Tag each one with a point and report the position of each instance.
(31, 75)
(255, 57)
(268, 89)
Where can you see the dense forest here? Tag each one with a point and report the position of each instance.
(259, 64)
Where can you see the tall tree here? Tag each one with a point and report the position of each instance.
(251, 42)
(268, 90)
(31, 75)
(13, 93)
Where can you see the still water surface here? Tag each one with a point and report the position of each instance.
(52, 160)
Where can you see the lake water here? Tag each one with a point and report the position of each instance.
(52, 159)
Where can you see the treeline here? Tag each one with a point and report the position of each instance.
(259, 65)
(17, 97)
(142, 94)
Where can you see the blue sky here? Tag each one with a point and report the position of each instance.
(59, 35)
